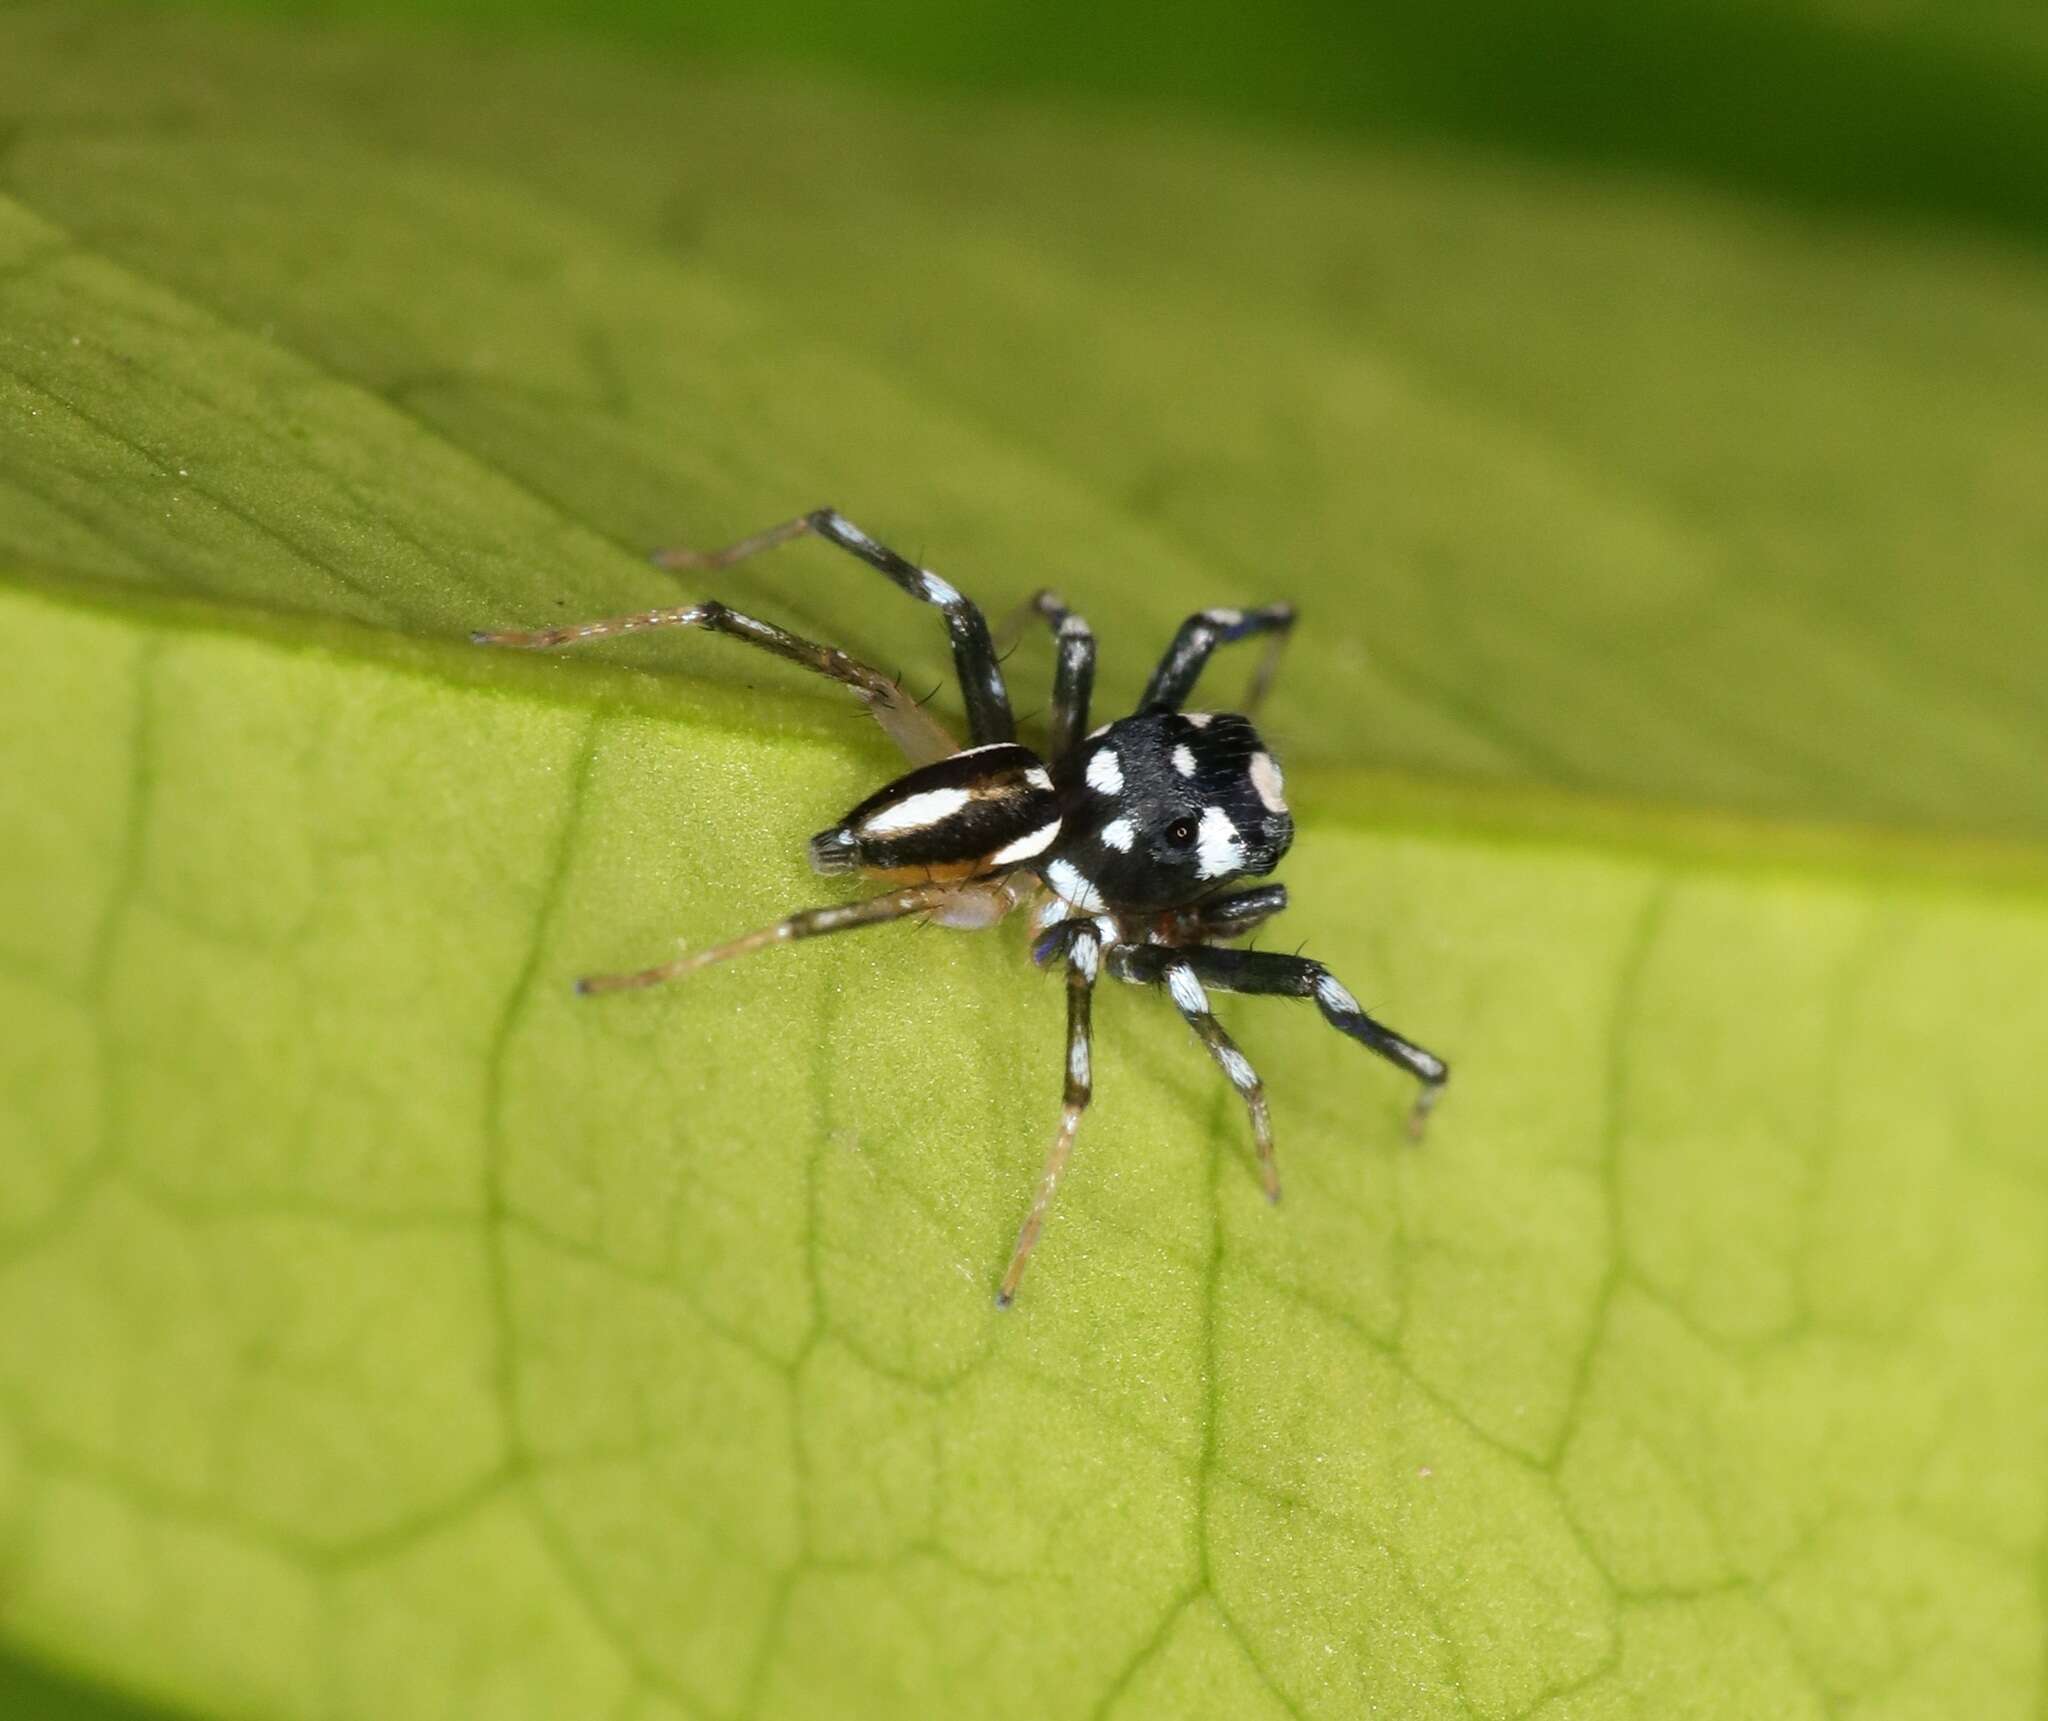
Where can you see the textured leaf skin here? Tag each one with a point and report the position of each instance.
(384, 1331)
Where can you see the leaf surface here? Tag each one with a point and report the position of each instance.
(385, 1331)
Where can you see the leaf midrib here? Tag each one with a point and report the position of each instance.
(1498, 811)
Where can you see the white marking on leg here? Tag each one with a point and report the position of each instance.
(915, 813)
(1187, 990)
(1036, 843)
(1218, 848)
(1039, 778)
(937, 590)
(1077, 1063)
(1266, 779)
(1119, 834)
(1105, 771)
(1073, 627)
(1068, 880)
(1223, 618)
(1052, 913)
(1237, 1068)
(845, 529)
(1200, 719)
(1429, 1066)
(1330, 991)
(1184, 760)
(1086, 955)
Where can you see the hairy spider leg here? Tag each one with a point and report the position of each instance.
(1084, 950)
(921, 736)
(807, 923)
(1073, 676)
(1151, 964)
(1271, 972)
(1199, 636)
(974, 656)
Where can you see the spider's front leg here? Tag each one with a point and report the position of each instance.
(1084, 951)
(1271, 972)
(1148, 964)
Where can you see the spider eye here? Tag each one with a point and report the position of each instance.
(1181, 832)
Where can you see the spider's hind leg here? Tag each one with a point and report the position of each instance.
(807, 923)
(974, 655)
(903, 720)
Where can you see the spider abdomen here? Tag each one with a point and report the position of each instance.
(975, 813)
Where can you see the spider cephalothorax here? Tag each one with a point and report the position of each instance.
(1129, 836)
(1161, 808)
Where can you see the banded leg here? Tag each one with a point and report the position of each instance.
(1199, 636)
(808, 923)
(921, 736)
(1149, 964)
(1083, 954)
(1272, 972)
(1073, 676)
(974, 656)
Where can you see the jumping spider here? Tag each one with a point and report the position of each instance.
(1130, 834)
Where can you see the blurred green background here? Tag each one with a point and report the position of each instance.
(1920, 106)
(1911, 119)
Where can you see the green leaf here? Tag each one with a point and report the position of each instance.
(386, 1331)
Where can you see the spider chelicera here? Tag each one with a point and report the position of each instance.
(1129, 835)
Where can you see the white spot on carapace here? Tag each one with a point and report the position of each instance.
(1105, 771)
(1331, 993)
(1184, 760)
(1032, 843)
(1238, 1068)
(1187, 990)
(914, 813)
(937, 590)
(1266, 779)
(1218, 848)
(1118, 834)
(1077, 1063)
(1200, 719)
(1066, 878)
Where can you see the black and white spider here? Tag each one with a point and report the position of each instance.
(1129, 835)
